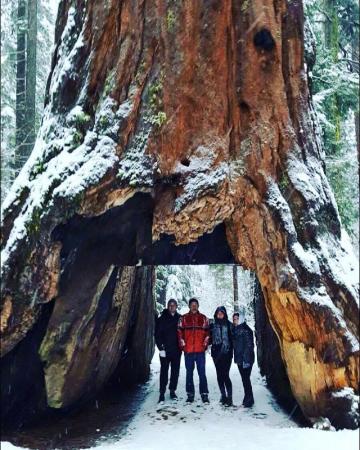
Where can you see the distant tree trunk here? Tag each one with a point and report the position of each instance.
(331, 39)
(31, 49)
(355, 67)
(20, 146)
(236, 288)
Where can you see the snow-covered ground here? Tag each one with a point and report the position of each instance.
(178, 426)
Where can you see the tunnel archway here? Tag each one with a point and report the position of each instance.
(220, 134)
(100, 326)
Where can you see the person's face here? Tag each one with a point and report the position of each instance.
(194, 307)
(172, 308)
(220, 315)
(236, 320)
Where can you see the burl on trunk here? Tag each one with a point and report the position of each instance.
(169, 118)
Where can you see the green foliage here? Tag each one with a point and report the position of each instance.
(223, 276)
(156, 116)
(345, 193)
(334, 82)
(284, 182)
(170, 20)
(334, 87)
(38, 168)
(33, 227)
(158, 119)
(186, 279)
(82, 119)
(109, 82)
(77, 138)
(154, 92)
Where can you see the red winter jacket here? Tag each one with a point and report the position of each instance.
(193, 332)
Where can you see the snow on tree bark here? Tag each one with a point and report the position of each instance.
(201, 112)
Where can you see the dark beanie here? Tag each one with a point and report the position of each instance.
(193, 300)
(171, 300)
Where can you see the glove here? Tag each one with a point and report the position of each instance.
(162, 353)
(246, 365)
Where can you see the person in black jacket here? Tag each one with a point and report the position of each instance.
(170, 354)
(221, 352)
(244, 356)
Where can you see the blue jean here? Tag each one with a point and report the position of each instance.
(200, 360)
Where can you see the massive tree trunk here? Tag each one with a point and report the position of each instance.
(101, 324)
(269, 358)
(164, 122)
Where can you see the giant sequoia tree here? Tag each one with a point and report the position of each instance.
(173, 132)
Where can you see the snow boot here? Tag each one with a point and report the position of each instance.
(223, 399)
(229, 401)
(173, 395)
(248, 403)
(205, 398)
(161, 398)
(190, 398)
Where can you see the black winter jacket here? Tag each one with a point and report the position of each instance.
(221, 337)
(166, 333)
(243, 342)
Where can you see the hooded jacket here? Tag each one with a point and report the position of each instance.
(193, 330)
(220, 336)
(243, 341)
(166, 333)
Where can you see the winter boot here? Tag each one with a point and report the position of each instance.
(190, 398)
(248, 403)
(229, 401)
(205, 398)
(161, 398)
(223, 399)
(173, 395)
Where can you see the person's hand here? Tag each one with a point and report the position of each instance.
(182, 343)
(246, 365)
(162, 353)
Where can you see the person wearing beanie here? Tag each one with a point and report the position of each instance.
(169, 351)
(222, 352)
(244, 356)
(193, 335)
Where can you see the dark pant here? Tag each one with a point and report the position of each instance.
(245, 376)
(222, 366)
(200, 360)
(174, 362)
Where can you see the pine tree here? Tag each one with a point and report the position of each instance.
(21, 135)
(31, 50)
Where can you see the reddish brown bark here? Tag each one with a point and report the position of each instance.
(203, 109)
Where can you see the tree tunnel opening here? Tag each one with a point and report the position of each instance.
(96, 336)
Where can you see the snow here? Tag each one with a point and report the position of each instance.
(322, 299)
(341, 259)
(307, 257)
(76, 166)
(66, 51)
(349, 394)
(205, 427)
(176, 425)
(201, 175)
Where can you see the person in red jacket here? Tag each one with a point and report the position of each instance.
(193, 334)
